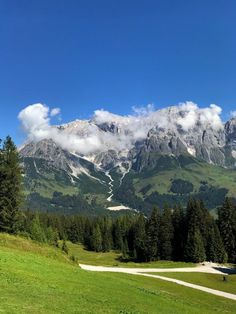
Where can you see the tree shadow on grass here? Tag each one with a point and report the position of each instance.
(226, 270)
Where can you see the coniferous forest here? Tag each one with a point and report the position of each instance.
(179, 234)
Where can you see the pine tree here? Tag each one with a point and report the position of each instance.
(205, 222)
(73, 231)
(226, 221)
(139, 245)
(10, 186)
(106, 234)
(96, 238)
(152, 231)
(198, 216)
(166, 234)
(88, 234)
(125, 249)
(179, 233)
(194, 215)
(215, 249)
(36, 230)
(117, 235)
(52, 236)
(194, 250)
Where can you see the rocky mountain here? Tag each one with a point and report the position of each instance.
(112, 161)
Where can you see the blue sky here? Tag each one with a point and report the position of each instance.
(91, 54)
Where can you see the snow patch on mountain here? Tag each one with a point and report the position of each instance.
(192, 151)
(234, 154)
(36, 168)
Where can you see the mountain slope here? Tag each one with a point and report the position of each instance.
(172, 180)
(166, 156)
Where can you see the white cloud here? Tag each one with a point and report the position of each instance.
(233, 114)
(143, 111)
(36, 123)
(55, 112)
(188, 115)
(87, 137)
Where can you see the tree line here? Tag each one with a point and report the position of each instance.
(191, 235)
(174, 233)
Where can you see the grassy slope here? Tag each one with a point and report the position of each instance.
(113, 259)
(194, 173)
(47, 179)
(39, 279)
(213, 281)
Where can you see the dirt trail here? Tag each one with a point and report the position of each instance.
(208, 268)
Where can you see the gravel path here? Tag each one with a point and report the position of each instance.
(208, 268)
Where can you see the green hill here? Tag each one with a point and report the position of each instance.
(155, 179)
(48, 188)
(169, 179)
(40, 279)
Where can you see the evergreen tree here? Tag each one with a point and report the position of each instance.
(179, 234)
(106, 227)
(88, 234)
(117, 235)
(10, 186)
(96, 238)
(73, 231)
(139, 240)
(193, 214)
(52, 236)
(215, 249)
(198, 216)
(125, 249)
(152, 231)
(205, 222)
(226, 220)
(166, 234)
(36, 231)
(194, 250)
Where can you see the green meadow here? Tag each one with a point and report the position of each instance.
(213, 281)
(113, 258)
(40, 279)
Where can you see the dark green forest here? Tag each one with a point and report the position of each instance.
(174, 233)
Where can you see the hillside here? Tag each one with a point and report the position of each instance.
(164, 179)
(139, 161)
(40, 279)
(172, 180)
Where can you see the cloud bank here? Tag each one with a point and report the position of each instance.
(110, 131)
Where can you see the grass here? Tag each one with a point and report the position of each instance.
(194, 173)
(40, 279)
(213, 281)
(113, 258)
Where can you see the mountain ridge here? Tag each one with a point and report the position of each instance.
(134, 144)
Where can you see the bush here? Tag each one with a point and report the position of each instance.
(64, 247)
(74, 259)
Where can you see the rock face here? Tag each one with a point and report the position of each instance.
(129, 148)
(203, 141)
(49, 151)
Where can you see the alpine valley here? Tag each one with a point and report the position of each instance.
(112, 162)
